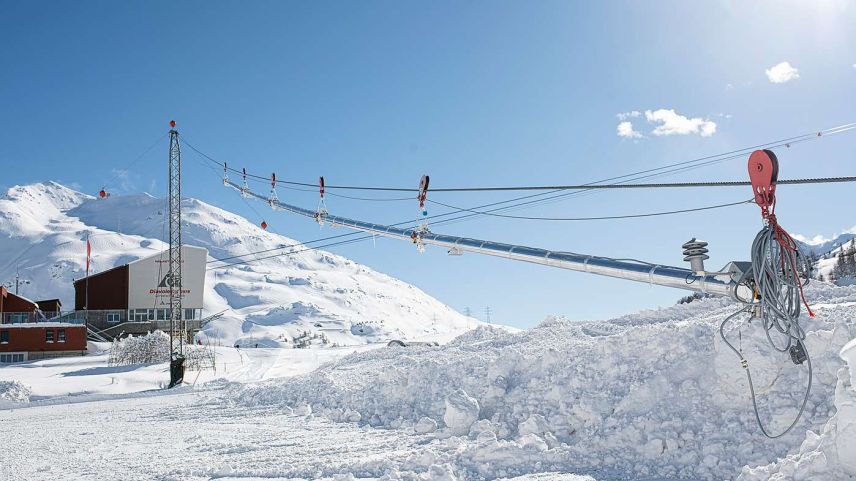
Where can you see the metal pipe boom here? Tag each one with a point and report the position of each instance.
(723, 283)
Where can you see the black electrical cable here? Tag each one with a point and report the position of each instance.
(610, 217)
(712, 158)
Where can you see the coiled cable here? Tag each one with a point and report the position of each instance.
(777, 278)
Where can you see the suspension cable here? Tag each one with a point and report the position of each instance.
(787, 142)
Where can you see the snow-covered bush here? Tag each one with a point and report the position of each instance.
(150, 348)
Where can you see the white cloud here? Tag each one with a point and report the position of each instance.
(628, 115)
(625, 129)
(854, 65)
(781, 73)
(673, 123)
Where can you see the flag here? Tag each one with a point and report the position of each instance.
(88, 256)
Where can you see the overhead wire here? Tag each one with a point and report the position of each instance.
(545, 197)
(786, 142)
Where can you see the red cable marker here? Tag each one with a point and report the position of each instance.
(423, 193)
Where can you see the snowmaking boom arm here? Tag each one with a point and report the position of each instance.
(723, 283)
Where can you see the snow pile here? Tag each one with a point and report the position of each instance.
(656, 394)
(14, 391)
(43, 231)
(832, 453)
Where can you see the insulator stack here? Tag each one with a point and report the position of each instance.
(695, 252)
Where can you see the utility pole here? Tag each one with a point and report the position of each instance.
(18, 281)
(177, 326)
(487, 314)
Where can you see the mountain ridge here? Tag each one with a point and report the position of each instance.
(45, 226)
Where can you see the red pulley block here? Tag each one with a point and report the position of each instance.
(102, 193)
(264, 225)
(763, 173)
(172, 123)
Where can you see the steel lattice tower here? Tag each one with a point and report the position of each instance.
(177, 326)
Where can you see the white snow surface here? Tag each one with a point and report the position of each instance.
(654, 395)
(43, 230)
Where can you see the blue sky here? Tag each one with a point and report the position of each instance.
(472, 93)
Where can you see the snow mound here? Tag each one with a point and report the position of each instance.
(830, 454)
(14, 391)
(654, 395)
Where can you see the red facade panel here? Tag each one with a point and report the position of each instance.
(107, 290)
(31, 338)
(13, 303)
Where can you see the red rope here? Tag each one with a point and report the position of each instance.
(789, 249)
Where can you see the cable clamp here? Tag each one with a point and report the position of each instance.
(744, 364)
(651, 275)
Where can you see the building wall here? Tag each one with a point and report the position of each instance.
(149, 286)
(108, 290)
(31, 338)
(13, 303)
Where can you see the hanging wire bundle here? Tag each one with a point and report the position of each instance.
(779, 272)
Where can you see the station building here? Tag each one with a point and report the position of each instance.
(28, 332)
(134, 298)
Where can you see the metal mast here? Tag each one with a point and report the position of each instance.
(177, 326)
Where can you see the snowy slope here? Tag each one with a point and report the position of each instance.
(654, 395)
(43, 228)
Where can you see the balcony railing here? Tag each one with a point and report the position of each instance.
(103, 319)
(39, 316)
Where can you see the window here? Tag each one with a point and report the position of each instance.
(189, 314)
(162, 314)
(4, 337)
(12, 357)
(140, 315)
(60, 335)
(151, 314)
(49, 335)
(114, 317)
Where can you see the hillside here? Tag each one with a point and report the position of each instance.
(44, 227)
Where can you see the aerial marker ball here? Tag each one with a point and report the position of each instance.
(172, 123)
(264, 225)
(102, 193)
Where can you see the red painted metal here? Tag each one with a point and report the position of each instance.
(423, 191)
(763, 173)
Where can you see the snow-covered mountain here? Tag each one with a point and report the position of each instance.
(43, 228)
(819, 245)
(825, 252)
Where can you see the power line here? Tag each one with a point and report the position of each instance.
(611, 217)
(787, 142)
